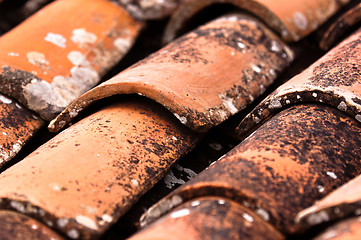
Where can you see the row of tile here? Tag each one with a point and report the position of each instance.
(124, 148)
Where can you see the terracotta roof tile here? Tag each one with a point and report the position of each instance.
(283, 167)
(277, 183)
(333, 80)
(203, 77)
(291, 19)
(210, 218)
(345, 230)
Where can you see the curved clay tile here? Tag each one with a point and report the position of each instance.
(335, 80)
(343, 202)
(150, 9)
(85, 178)
(291, 19)
(210, 218)
(62, 51)
(340, 27)
(17, 125)
(17, 226)
(203, 77)
(349, 229)
(295, 158)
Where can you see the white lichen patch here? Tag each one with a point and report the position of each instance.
(180, 213)
(107, 218)
(73, 234)
(300, 20)
(320, 189)
(174, 138)
(122, 44)
(134, 182)
(86, 221)
(56, 187)
(62, 222)
(13, 54)
(77, 58)
(16, 148)
(314, 95)
(274, 103)
(56, 39)
(358, 117)
(17, 206)
(81, 36)
(275, 47)
(317, 218)
(247, 217)
(228, 103)
(195, 203)
(342, 106)
(183, 120)
(221, 202)
(241, 45)
(5, 100)
(37, 59)
(263, 214)
(5, 134)
(332, 175)
(255, 68)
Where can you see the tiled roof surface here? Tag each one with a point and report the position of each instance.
(238, 129)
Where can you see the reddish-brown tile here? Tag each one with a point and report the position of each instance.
(334, 80)
(86, 177)
(343, 202)
(17, 226)
(17, 125)
(291, 19)
(50, 60)
(295, 158)
(340, 27)
(346, 230)
(210, 218)
(203, 77)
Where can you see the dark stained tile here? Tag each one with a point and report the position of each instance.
(293, 159)
(210, 218)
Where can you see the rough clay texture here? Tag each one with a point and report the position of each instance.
(334, 80)
(60, 60)
(210, 218)
(121, 151)
(203, 77)
(295, 158)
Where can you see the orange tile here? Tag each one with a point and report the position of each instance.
(17, 125)
(203, 77)
(292, 19)
(62, 51)
(333, 80)
(20, 227)
(341, 26)
(346, 230)
(85, 178)
(210, 218)
(295, 158)
(341, 203)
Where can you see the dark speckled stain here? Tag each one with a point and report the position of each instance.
(282, 165)
(211, 218)
(343, 70)
(18, 226)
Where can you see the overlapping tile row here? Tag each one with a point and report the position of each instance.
(211, 218)
(341, 26)
(294, 158)
(333, 80)
(118, 153)
(291, 19)
(342, 203)
(203, 77)
(61, 58)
